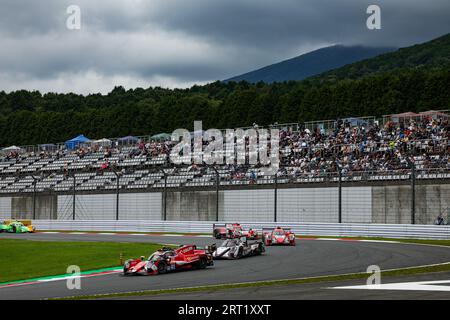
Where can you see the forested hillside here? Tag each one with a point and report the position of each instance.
(31, 118)
(431, 54)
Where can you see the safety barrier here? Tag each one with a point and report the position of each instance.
(307, 228)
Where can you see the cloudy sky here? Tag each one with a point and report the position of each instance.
(177, 43)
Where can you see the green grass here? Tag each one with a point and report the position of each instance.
(23, 259)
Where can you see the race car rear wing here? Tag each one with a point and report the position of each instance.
(222, 225)
(271, 229)
(25, 222)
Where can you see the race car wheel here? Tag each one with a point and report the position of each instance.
(260, 249)
(162, 267)
(202, 263)
(217, 235)
(14, 229)
(239, 254)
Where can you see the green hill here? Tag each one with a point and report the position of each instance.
(431, 54)
(311, 63)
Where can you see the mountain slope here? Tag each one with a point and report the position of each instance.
(310, 64)
(431, 54)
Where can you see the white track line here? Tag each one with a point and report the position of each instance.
(438, 285)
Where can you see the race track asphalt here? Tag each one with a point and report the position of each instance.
(308, 259)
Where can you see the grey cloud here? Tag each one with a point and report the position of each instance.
(191, 41)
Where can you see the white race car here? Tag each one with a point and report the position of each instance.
(238, 248)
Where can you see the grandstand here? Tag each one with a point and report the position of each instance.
(399, 149)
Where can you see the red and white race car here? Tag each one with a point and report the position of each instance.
(167, 259)
(233, 231)
(278, 236)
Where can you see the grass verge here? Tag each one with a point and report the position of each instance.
(23, 259)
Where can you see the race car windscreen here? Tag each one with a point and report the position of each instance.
(155, 257)
(229, 243)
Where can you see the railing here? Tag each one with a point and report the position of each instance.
(302, 229)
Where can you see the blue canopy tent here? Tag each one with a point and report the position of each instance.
(73, 143)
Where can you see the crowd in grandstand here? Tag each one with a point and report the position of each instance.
(370, 148)
(350, 148)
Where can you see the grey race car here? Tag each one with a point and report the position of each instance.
(238, 248)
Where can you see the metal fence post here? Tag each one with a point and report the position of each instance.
(34, 197)
(74, 196)
(217, 194)
(164, 195)
(275, 198)
(413, 193)
(117, 195)
(340, 195)
(217, 191)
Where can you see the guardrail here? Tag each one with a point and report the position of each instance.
(307, 228)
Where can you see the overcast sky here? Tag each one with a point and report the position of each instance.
(178, 43)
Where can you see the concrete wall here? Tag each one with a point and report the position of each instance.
(357, 205)
(185, 206)
(308, 204)
(22, 207)
(321, 204)
(88, 207)
(392, 204)
(373, 204)
(5, 208)
(132, 206)
(430, 201)
(254, 205)
(140, 206)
